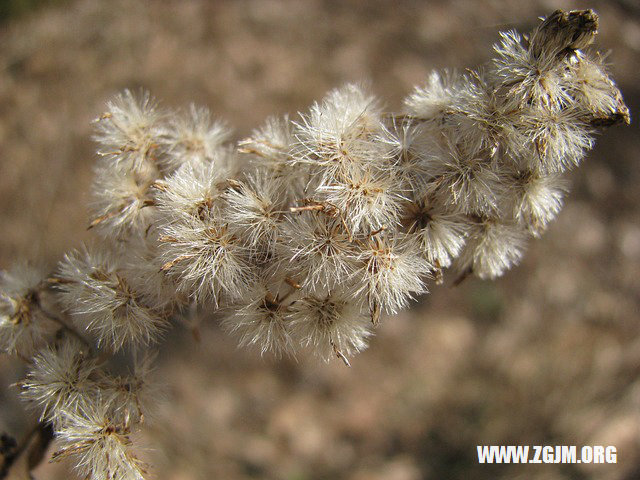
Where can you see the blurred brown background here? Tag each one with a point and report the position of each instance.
(549, 355)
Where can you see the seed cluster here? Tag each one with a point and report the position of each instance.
(304, 234)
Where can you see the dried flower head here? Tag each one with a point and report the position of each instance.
(337, 133)
(127, 132)
(254, 209)
(261, 320)
(332, 325)
(492, 248)
(61, 380)
(123, 200)
(130, 397)
(390, 272)
(206, 260)
(191, 137)
(318, 249)
(100, 446)
(102, 301)
(23, 325)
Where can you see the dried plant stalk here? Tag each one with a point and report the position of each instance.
(306, 232)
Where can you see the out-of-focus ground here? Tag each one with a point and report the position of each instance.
(548, 355)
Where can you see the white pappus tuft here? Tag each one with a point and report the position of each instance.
(254, 208)
(270, 148)
(261, 320)
(466, 182)
(127, 133)
(191, 137)
(366, 198)
(100, 445)
(557, 140)
(436, 99)
(319, 249)
(101, 300)
(411, 151)
(390, 272)
(24, 327)
(492, 248)
(130, 397)
(340, 133)
(538, 199)
(332, 325)
(194, 190)
(206, 260)
(61, 380)
(528, 80)
(589, 84)
(123, 202)
(270, 145)
(441, 235)
(141, 266)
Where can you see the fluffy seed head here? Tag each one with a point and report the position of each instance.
(193, 191)
(254, 208)
(492, 248)
(23, 326)
(270, 145)
(191, 137)
(101, 300)
(339, 133)
(527, 80)
(128, 131)
(440, 235)
(122, 203)
(538, 199)
(559, 140)
(436, 99)
(61, 380)
(319, 249)
(100, 446)
(260, 320)
(366, 199)
(466, 182)
(205, 260)
(390, 272)
(131, 397)
(592, 88)
(332, 325)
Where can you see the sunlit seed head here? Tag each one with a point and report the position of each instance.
(191, 137)
(331, 324)
(318, 247)
(207, 262)
(492, 248)
(255, 208)
(102, 301)
(123, 202)
(127, 132)
(391, 271)
(100, 445)
(61, 379)
(260, 320)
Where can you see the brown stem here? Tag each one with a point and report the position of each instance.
(32, 447)
(58, 320)
(67, 328)
(462, 277)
